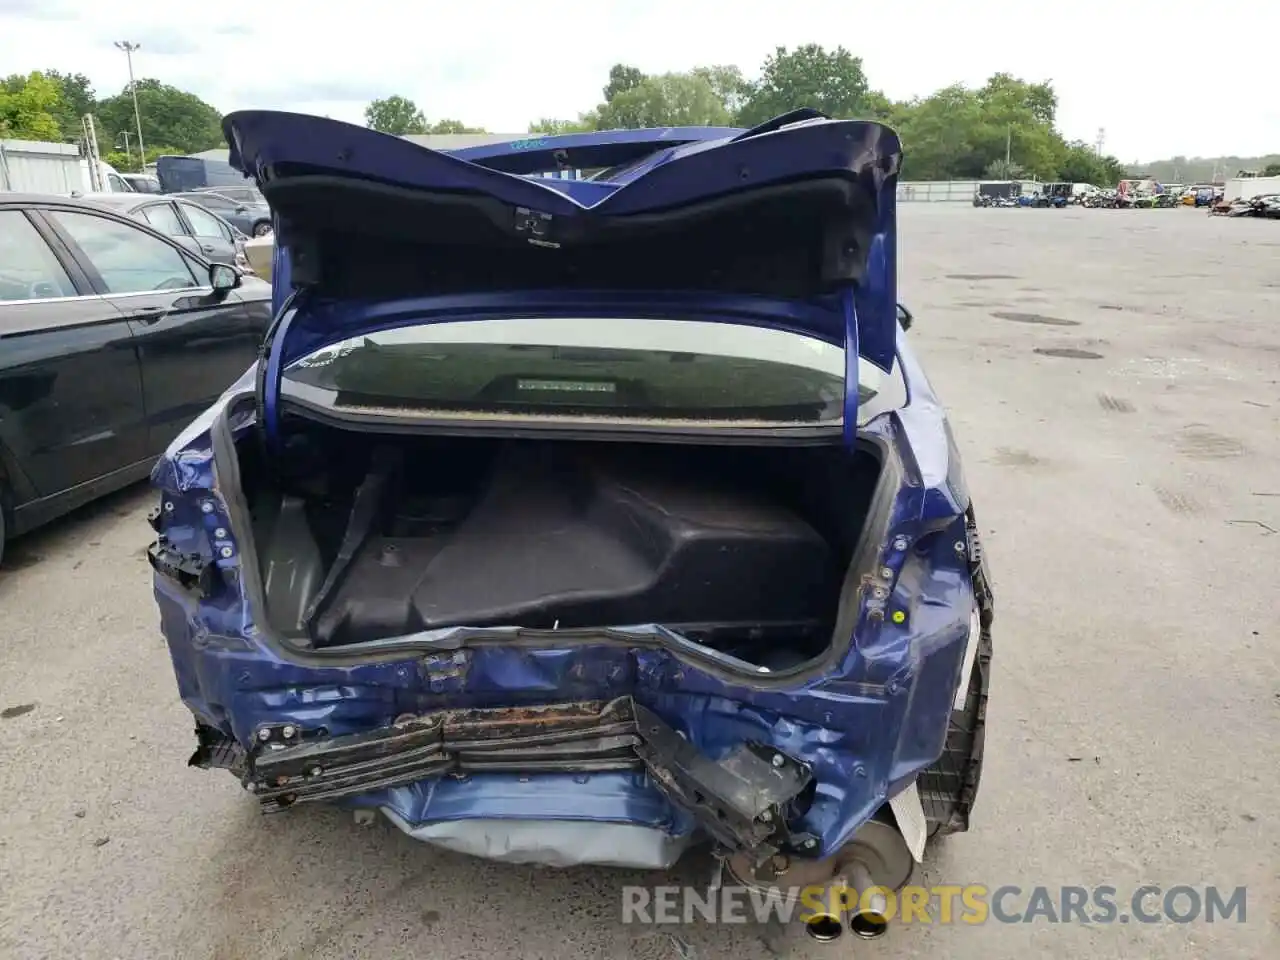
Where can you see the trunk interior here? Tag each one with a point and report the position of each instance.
(363, 536)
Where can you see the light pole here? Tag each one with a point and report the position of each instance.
(128, 47)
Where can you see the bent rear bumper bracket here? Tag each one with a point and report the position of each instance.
(743, 801)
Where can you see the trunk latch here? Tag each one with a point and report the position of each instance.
(535, 227)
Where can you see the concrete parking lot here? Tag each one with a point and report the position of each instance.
(1113, 380)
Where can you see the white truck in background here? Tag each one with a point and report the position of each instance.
(107, 180)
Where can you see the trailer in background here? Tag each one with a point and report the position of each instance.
(66, 169)
(37, 166)
(1243, 188)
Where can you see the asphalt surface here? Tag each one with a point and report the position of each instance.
(1131, 498)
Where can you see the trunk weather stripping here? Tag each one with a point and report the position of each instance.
(270, 373)
(743, 800)
(866, 556)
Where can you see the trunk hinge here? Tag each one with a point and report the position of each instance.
(270, 371)
(850, 311)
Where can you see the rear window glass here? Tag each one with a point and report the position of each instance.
(666, 370)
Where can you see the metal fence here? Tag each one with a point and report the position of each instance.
(937, 191)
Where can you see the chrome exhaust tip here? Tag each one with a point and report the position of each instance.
(824, 927)
(857, 881)
(869, 912)
(868, 925)
(828, 925)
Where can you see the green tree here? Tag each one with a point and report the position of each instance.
(1003, 170)
(1018, 117)
(131, 163)
(960, 133)
(76, 98)
(939, 136)
(730, 86)
(550, 126)
(1271, 170)
(453, 126)
(1002, 129)
(169, 116)
(1082, 164)
(1007, 92)
(876, 106)
(395, 114)
(29, 107)
(621, 79)
(808, 76)
(666, 100)
(1201, 169)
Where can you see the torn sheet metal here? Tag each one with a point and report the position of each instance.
(552, 843)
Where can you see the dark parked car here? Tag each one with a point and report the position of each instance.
(112, 336)
(189, 223)
(576, 521)
(142, 182)
(250, 217)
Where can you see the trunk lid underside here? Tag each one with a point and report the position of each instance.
(790, 225)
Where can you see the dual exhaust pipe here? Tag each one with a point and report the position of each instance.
(855, 896)
(856, 882)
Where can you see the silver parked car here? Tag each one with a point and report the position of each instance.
(194, 227)
(248, 215)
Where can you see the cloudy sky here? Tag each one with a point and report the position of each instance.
(1162, 78)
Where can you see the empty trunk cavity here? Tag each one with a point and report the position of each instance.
(363, 537)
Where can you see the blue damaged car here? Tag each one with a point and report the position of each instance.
(575, 521)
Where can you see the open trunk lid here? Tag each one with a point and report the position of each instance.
(789, 225)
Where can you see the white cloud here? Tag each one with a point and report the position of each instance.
(1162, 78)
